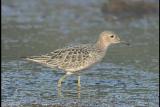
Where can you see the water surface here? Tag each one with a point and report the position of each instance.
(128, 75)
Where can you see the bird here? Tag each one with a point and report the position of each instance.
(74, 59)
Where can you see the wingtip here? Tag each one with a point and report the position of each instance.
(25, 58)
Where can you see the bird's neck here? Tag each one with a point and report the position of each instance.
(102, 46)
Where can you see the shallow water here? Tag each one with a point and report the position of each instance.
(128, 75)
(26, 83)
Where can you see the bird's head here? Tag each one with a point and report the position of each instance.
(107, 37)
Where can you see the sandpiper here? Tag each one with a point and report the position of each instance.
(77, 58)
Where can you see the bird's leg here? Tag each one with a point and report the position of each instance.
(61, 79)
(78, 87)
(59, 92)
(60, 83)
(79, 81)
(79, 92)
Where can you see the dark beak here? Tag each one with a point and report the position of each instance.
(124, 42)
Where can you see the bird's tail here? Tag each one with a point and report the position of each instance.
(39, 59)
(42, 60)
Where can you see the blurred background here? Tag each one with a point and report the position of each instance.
(34, 27)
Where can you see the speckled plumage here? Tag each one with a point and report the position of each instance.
(71, 59)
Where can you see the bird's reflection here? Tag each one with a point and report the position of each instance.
(60, 94)
(78, 92)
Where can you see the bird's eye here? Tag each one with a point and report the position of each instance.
(112, 36)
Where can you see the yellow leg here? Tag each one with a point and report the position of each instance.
(59, 92)
(79, 81)
(79, 92)
(60, 83)
(61, 79)
(79, 88)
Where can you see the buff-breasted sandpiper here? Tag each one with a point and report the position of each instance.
(77, 58)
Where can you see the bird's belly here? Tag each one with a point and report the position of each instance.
(78, 68)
